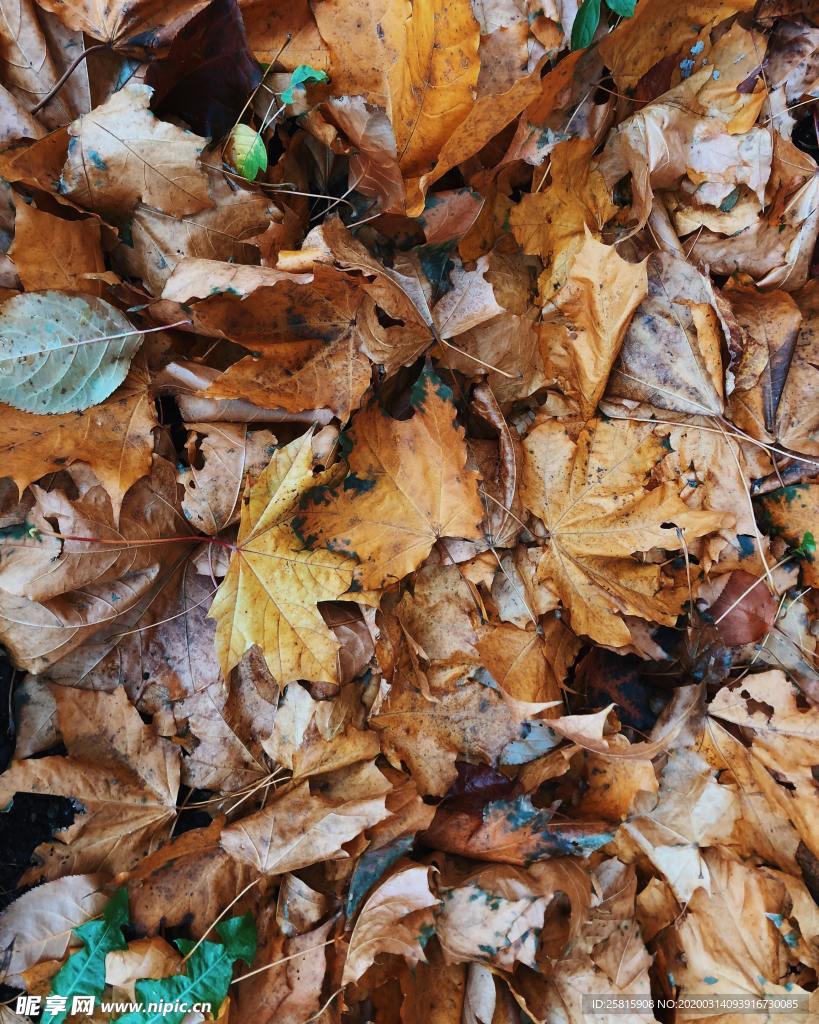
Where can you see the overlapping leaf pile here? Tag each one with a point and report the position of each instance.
(411, 472)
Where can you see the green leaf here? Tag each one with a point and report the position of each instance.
(84, 972)
(807, 547)
(625, 8)
(62, 353)
(303, 73)
(585, 24)
(209, 973)
(246, 151)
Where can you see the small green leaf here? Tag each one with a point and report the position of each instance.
(246, 151)
(585, 24)
(303, 74)
(84, 972)
(625, 8)
(209, 973)
(62, 353)
(807, 547)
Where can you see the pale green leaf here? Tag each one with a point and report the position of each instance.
(246, 151)
(62, 353)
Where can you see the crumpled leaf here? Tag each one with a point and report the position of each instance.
(81, 357)
(590, 496)
(783, 737)
(391, 921)
(679, 319)
(230, 455)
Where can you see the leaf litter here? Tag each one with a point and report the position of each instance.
(408, 508)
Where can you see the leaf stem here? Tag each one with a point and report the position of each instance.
(72, 67)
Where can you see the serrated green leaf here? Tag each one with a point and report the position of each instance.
(62, 353)
(302, 74)
(84, 972)
(585, 24)
(246, 151)
(625, 8)
(209, 973)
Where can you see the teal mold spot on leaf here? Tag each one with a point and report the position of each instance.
(357, 484)
(709, 980)
(371, 866)
(62, 353)
(428, 381)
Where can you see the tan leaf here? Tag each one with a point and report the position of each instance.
(144, 958)
(38, 925)
(122, 154)
(222, 457)
(291, 993)
(391, 921)
(495, 915)
(50, 252)
(432, 78)
(553, 222)
(225, 231)
(332, 375)
(120, 22)
(470, 722)
(783, 739)
(597, 302)
(301, 827)
(123, 774)
(679, 319)
(114, 438)
(188, 883)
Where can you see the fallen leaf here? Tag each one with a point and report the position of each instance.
(380, 515)
(114, 437)
(391, 921)
(590, 496)
(312, 825)
(596, 304)
(120, 154)
(274, 582)
(39, 925)
(55, 254)
(86, 351)
(123, 774)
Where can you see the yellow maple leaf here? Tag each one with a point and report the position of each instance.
(270, 594)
